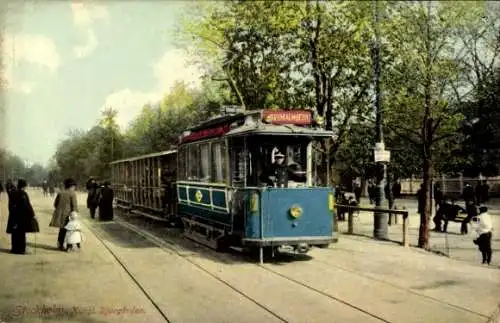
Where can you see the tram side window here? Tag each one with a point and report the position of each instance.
(205, 162)
(193, 162)
(219, 159)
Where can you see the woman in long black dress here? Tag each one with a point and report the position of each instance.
(105, 199)
(20, 216)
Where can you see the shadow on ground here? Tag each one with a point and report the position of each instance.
(185, 247)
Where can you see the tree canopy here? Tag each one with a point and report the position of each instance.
(439, 75)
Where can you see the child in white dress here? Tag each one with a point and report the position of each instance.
(74, 235)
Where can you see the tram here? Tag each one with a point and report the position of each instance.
(243, 179)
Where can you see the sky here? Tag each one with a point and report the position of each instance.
(66, 61)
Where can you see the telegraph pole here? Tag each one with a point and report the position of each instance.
(380, 220)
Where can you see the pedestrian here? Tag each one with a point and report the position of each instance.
(52, 189)
(1, 188)
(396, 189)
(471, 213)
(64, 203)
(468, 194)
(438, 196)
(73, 236)
(357, 192)
(21, 215)
(483, 240)
(105, 201)
(92, 196)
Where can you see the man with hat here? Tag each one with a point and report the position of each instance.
(64, 204)
(276, 173)
(483, 230)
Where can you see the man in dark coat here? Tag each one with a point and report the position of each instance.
(92, 196)
(64, 203)
(471, 213)
(438, 196)
(468, 194)
(20, 216)
(105, 199)
(448, 211)
(420, 199)
(396, 190)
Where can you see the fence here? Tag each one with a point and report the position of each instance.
(393, 214)
(452, 186)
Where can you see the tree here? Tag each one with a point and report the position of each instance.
(419, 86)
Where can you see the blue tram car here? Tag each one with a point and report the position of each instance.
(248, 180)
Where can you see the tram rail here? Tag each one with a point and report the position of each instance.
(170, 246)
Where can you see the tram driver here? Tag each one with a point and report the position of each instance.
(277, 172)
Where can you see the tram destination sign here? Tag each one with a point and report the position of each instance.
(207, 133)
(298, 117)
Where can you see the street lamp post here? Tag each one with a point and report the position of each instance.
(381, 221)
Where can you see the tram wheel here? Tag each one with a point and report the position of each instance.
(222, 245)
(323, 246)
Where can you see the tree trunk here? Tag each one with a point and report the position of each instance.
(423, 234)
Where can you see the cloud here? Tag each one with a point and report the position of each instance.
(129, 104)
(174, 66)
(34, 49)
(84, 16)
(170, 68)
(89, 47)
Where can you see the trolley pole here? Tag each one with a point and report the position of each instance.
(380, 219)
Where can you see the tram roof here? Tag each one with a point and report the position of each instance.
(158, 154)
(258, 122)
(282, 130)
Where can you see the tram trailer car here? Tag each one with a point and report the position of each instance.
(224, 196)
(145, 185)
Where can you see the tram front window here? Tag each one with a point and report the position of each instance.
(283, 165)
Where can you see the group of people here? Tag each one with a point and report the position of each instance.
(100, 197)
(48, 188)
(22, 218)
(447, 210)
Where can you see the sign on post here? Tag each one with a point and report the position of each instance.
(380, 154)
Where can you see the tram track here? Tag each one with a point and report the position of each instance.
(99, 237)
(328, 265)
(173, 244)
(184, 256)
(170, 246)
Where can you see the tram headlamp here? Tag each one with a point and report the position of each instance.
(295, 211)
(331, 201)
(254, 203)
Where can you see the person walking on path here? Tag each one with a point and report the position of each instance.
(64, 204)
(20, 218)
(92, 196)
(484, 229)
(105, 199)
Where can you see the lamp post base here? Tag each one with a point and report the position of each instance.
(380, 228)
